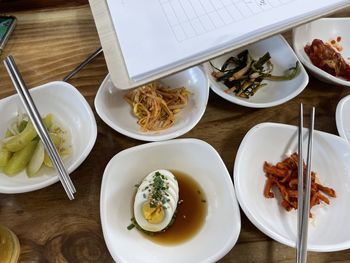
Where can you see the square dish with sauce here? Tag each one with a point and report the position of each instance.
(203, 182)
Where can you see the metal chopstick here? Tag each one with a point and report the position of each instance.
(304, 197)
(300, 170)
(39, 126)
(83, 64)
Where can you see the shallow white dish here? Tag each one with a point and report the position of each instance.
(275, 92)
(342, 118)
(117, 113)
(325, 29)
(272, 142)
(191, 156)
(72, 110)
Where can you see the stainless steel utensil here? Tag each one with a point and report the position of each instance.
(304, 194)
(83, 64)
(39, 126)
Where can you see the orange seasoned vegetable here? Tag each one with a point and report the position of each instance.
(284, 176)
(155, 106)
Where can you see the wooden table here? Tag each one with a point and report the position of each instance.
(49, 41)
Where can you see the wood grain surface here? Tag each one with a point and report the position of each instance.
(47, 44)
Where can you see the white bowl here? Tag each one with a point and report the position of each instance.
(272, 142)
(342, 118)
(117, 113)
(275, 92)
(71, 110)
(325, 29)
(191, 156)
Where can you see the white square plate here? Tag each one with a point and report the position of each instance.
(275, 92)
(71, 110)
(326, 29)
(117, 113)
(342, 118)
(272, 142)
(195, 158)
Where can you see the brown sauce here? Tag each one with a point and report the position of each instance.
(190, 214)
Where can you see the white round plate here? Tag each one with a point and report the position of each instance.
(325, 29)
(342, 118)
(275, 92)
(195, 158)
(71, 110)
(117, 113)
(272, 142)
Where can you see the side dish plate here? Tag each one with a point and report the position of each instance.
(275, 92)
(72, 111)
(191, 156)
(326, 29)
(342, 118)
(117, 113)
(272, 142)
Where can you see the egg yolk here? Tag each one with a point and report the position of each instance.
(153, 215)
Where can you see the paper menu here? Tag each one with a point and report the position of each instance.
(156, 35)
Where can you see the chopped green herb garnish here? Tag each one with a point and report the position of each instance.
(134, 224)
(131, 226)
(158, 190)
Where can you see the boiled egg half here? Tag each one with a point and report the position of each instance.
(156, 200)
